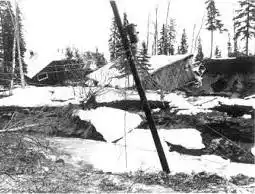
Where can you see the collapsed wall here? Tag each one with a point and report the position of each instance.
(231, 76)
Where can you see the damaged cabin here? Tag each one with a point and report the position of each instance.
(230, 77)
(60, 72)
(170, 72)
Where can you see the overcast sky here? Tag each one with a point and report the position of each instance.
(55, 24)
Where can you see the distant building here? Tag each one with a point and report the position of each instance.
(59, 73)
(231, 76)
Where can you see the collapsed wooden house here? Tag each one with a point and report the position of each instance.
(59, 72)
(170, 72)
(231, 76)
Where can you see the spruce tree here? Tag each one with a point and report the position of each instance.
(200, 54)
(162, 43)
(21, 39)
(183, 48)
(143, 60)
(217, 52)
(171, 37)
(117, 51)
(7, 36)
(213, 21)
(143, 65)
(244, 22)
(114, 42)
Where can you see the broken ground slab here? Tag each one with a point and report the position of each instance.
(111, 123)
(188, 138)
(110, 157)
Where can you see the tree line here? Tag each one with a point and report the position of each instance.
(165, 43)
(10, 49)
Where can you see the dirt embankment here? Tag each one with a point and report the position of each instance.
(228, 136)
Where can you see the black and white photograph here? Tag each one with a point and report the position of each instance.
(127, 96)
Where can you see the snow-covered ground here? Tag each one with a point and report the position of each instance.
(190, 139)
(111, 123)
(111, 157)
(59, 96)
(140, 153)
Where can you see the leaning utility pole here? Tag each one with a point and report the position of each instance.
(144, 102)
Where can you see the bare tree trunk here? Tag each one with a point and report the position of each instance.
(148, 31)
(193, 37)
(247, 32)
(211, 44)
(13, 58)
(156, 33)
(167, 13)
(18, 48)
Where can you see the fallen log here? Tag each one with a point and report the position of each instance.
(18, 128)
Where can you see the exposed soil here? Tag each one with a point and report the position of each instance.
(223, 135)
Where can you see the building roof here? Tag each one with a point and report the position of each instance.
(160, 61)
(39, 61)
(230, 65)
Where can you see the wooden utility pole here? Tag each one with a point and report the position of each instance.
(144, 102)
(18, 47)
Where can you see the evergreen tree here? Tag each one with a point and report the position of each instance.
(183, 48)
(235, 45)
(171, 37)
(244, 22)
(229, 45)
(7, 36)
(162, 43)
(21, 39)
(121, 63)
(217, 52)
(69, 54)
(143, 60)
(213, 21)
(116, 49)
(167, 39)
(114, 42)
(200, 54)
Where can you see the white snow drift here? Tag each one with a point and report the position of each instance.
(111, 157)
(110, 122)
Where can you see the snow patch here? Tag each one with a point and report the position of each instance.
(110, 122)
(107, 74)
(142, 139)
(41, 96)
(180, 103)
(188, 138)
(111, 157)
(253, 151)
